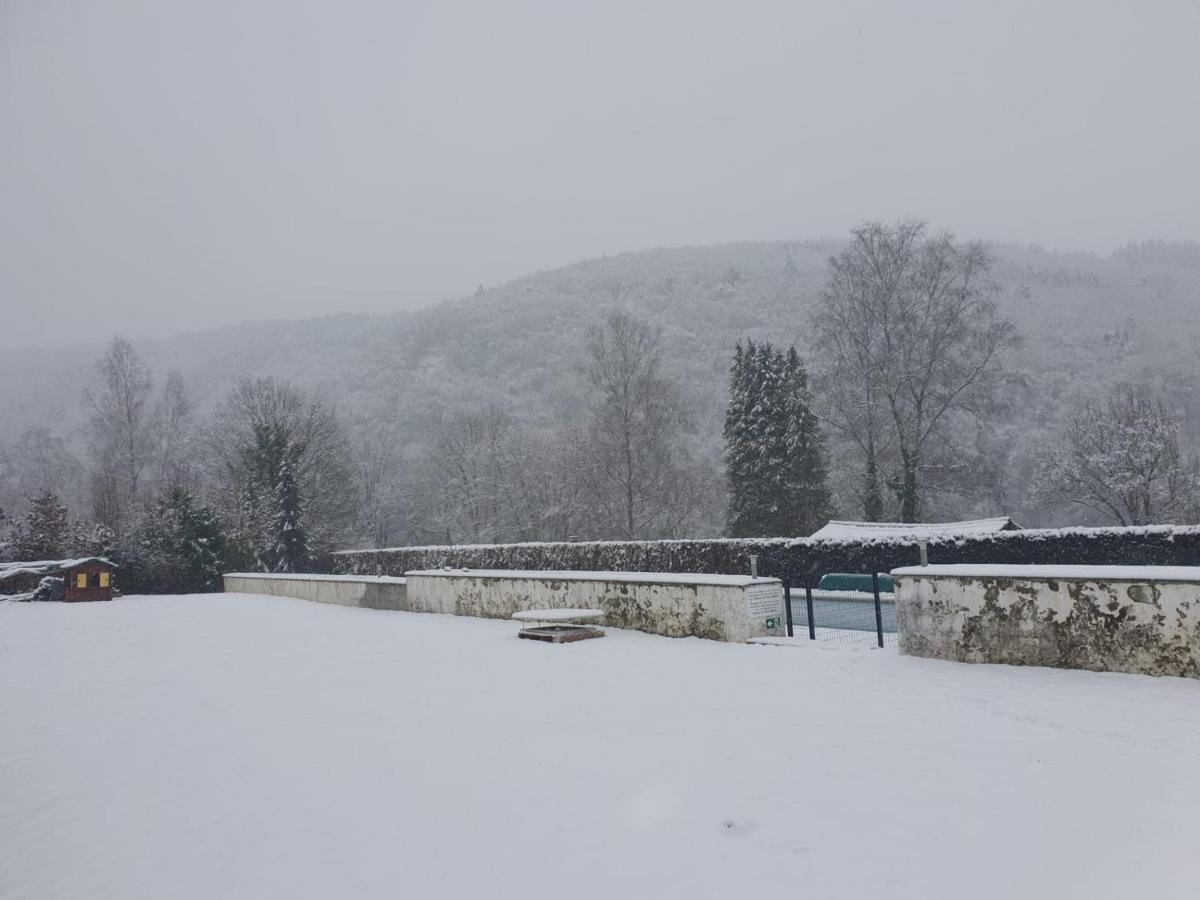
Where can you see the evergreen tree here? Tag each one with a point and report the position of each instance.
(186, 543)
(774, 454)
(291, 538)
(7, 536)
(805, 478)
(46, 530)
(741, 455)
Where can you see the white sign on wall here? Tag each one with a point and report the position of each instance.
(764, 601)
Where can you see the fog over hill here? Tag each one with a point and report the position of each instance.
(1086, 323)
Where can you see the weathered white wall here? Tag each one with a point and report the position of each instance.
(708, 606)
(371, 592)
(1104, 618)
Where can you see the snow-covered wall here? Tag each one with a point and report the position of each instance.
(724, 608)
(370, 592)
(800, 559)
(1141, 619)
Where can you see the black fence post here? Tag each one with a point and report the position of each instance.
(812, 626)
(787, 603)
(878, 608)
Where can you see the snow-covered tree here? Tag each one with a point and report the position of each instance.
(38, 461)
(1121, 459)
(173, 435)
(384, 489)
(909, 337)
(263, 423)
(635, 473)
(489, 478)
(120, 437)
(774, 455)
(291, 537)
(183, 544)
(8, 531)
(46, 531)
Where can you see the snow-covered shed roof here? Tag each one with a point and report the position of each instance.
(844, 531)
(48, 566)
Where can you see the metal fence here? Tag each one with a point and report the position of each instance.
(863, 617)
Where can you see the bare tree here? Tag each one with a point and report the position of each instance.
(37, 462)
(907, 336)
(173, 427)
(468, 464)
(1121, 459)
(490, 478)
(382, 490)
(121, 443)
(636, 477)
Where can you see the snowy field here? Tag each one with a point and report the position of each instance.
(241, 746)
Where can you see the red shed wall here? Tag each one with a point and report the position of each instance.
(73, 594)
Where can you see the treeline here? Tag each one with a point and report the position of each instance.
(911, 376)
(269, 481)
(266, 481)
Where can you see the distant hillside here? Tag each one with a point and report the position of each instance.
(1086, 321)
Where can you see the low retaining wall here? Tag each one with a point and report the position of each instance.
(367, 591)
(719, 607)
(1105, 618)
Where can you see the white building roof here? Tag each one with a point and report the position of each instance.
(847, 531)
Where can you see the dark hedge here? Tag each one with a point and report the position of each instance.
(800, 559)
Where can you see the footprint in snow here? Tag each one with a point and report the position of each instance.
(737, 827)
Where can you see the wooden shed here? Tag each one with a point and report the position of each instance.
(90, 578)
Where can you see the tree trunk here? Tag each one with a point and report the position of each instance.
(872, 496)
(908, 495)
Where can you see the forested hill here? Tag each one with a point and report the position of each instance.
(1086, 322)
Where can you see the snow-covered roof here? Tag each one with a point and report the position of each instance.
(47, 566)
(299, 576)
(1054, 573)
(841, 531)
(633, 577)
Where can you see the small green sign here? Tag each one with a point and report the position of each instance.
(772, 623)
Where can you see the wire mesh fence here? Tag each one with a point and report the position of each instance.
(847, 616)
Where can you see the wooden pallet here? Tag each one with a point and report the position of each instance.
(560, 634)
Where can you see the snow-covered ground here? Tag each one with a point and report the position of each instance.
(249, 746)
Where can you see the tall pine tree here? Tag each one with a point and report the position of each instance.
(46, 530)
(291, 538)
(774, 454)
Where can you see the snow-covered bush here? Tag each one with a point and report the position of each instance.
(49, 588)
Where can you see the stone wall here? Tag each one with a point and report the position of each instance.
(799, 559)
(714, 607)
(369, 592)
(1104, 618)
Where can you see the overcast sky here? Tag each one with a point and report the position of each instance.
(169, 165)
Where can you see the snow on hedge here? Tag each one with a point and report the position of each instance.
(614, 577)
(249, 746)
(803, 560)
(1110, 531)
(291, 576)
